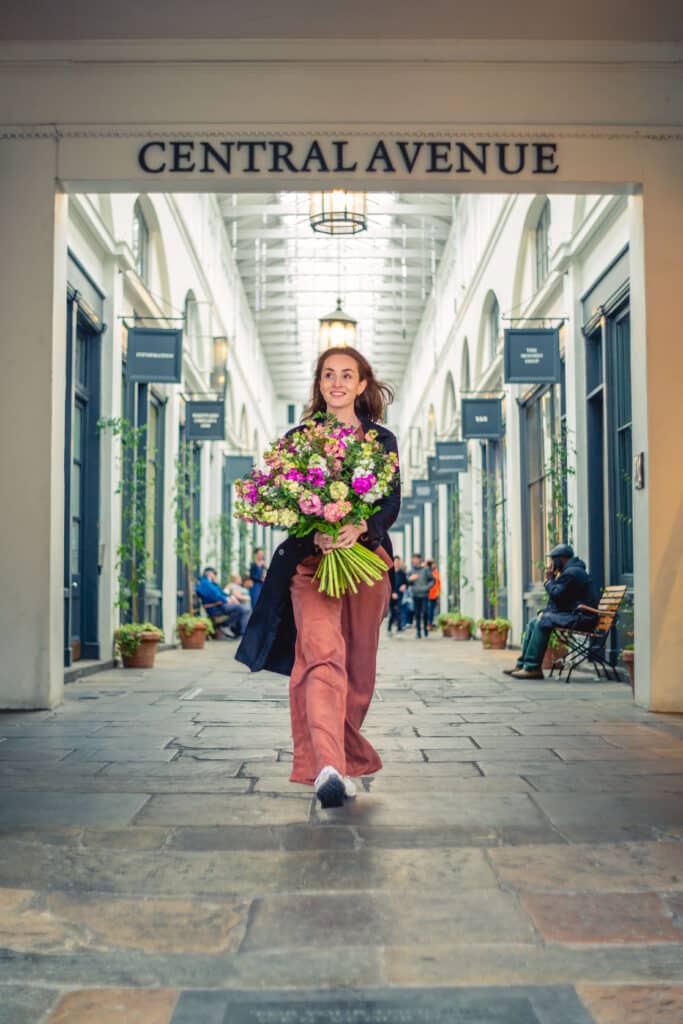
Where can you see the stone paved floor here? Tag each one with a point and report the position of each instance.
(518, 861)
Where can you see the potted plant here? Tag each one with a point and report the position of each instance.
(456, 625)
(555, 652)
(494, 633)
(137, 644)
(192, 631)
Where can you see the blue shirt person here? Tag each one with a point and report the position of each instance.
(217, 602)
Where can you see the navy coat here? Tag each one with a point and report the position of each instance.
(571, 588)
(270, 636)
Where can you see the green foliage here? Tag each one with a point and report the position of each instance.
(558, 469)
(187, 623)
(496, 623)
(129, 636)
(188, 531)
(133, 560)
(457, 580)
(492, 557)
(455, 618)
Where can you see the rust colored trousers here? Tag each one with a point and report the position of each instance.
(333, 678)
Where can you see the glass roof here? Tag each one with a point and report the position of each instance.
(293, 276)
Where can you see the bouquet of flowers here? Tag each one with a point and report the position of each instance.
(322, 477)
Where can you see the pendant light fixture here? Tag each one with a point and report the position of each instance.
(338, 212)
(337, 329)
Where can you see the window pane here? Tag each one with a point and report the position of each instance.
(75, 489)
(77, 432)
(75, 547)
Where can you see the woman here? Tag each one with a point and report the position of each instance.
(257, 574)
(434, 594)
(328, 645)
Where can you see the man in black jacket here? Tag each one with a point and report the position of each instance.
(400, 586)
(568, 585)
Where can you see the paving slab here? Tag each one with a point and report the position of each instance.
(25, 1004)
(115, 1006)
(209, 809)
(298, 923)
(633, 1004)
(414, 1006)
(73, 808)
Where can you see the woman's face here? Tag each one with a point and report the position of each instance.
(340, 383)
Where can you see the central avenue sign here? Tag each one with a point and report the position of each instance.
(347, 156)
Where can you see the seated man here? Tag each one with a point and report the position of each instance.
(217, 602)
(568, 585)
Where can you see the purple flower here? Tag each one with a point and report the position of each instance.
(363, 484)
(315, 477)
(294, 474)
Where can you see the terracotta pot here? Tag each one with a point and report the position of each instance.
(629, 659)
(552, 655)
(494, 639)
(195, 641)
(144, 656)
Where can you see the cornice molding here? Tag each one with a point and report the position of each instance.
(344, 51)
(234, 130)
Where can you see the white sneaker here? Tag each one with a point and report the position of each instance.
(349, 787)
(330, 787)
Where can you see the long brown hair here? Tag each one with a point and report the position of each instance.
(374, 400)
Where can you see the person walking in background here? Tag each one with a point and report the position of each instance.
(257, 575)
(421, 580)
(329, 644)
(395, 605)
(434, 594)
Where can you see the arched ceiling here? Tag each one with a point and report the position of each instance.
(292, 276)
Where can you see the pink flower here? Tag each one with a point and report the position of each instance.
(363, 484)
(336, 510)
(315, 477)
(310, 505)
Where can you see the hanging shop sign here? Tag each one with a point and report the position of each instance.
(482, 418)
(424, 491)
(154, 355)
(237, 466)
(205, 421)
(532, 356)
(357, 156)
(451, 459)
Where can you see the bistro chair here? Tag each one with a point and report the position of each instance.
(590, 645)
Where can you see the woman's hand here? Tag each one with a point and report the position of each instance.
(349, 534)
(323, 541)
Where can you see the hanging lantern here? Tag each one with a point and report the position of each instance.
(338, 212)
(337, 329)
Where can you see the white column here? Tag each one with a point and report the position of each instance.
(442, 491)
(110, 463)
(32, 397)
(657, 372)
(429, 539)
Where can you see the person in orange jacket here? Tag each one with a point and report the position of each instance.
(433, 594)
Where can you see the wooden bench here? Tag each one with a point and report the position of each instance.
(590, 645)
